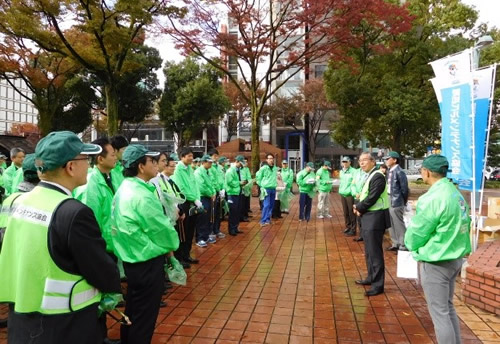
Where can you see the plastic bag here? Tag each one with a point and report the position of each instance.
(108, 302)
(285, 198)
(170, 204)
(407, 266)
(247, 189)
(263, 194)
(175, 271)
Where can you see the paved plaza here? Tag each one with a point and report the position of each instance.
(293, 282)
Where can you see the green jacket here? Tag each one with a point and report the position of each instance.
(324, 184)
(98, 196)
(346, 178)
(117, 175)
(232, 182)
(8, 177)
(205, 182)
(185, 180)
(440, 229)
(18, 179)
(287, 177)
(218, 176)
(357, 182)
(302, 178)
(266, 177)
(245, 173)
(139, 229)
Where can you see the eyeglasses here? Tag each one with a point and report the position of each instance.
(88, 158)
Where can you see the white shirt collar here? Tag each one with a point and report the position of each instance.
(66, 190)
(393, 167)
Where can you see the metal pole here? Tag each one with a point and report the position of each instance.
(481, 195)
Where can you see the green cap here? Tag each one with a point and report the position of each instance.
(346, 158)
(206, 158)
(310, 164)
(222, 159)
(59, 147)
(134, 152)
(29, 163)
(436, 163)
(392, 154)
(240, 158)
(174, 156)
(327, 163)
(196, 160)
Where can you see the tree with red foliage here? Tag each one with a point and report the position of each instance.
(275, 40)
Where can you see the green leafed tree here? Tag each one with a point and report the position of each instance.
(387, 97)
(98, 35)
(193, 97)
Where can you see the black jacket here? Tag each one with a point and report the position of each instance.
(399, 187)
(374, 220)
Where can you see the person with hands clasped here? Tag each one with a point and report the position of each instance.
(266, 179)
(185, 180)
(325, 184)
(141, 236)
(306, 179)
(233, 187)
(373, 207)
(207, 197)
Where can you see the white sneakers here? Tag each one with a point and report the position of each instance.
(201, 243)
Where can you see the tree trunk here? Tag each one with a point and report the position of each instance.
(307, 138)
(255, 138)
(396, 141)
(44, 121)
(111, 108)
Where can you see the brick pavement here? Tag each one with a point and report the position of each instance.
(293, 282)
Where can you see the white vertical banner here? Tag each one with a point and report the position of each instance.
(453, 69)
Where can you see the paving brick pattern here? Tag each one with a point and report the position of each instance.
(293, 282)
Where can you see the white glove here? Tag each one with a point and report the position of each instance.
(222, 194)
(310, 181)
(198, 204)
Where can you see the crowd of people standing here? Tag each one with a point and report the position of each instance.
(110, 212)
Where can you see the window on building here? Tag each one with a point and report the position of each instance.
(3, 103)
(3, 115)
(3, 91)
(10, 92)
(10, 105)
(10, 116)
(323, 141)
(319, 70)
(17, 106)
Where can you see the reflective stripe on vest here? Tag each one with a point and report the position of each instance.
(30, 279)
(382, 201)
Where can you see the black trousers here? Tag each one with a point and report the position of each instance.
(145, 288)
(349, 217)
(186, 229)
(234, 213)
(374, 256)
(204, 221)
(217, 214)
(245, 206)
(276, 209)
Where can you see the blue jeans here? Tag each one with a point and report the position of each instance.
(204, 221)
(267, 207)
(305, 203)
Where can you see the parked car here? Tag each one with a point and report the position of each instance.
(491, 172)
(495, 175)
(413, 175)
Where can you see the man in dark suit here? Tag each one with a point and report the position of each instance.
(373, 208)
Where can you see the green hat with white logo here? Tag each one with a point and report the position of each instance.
(240, 158)
(310, 164)
(222, 159)
(59, 147)
(206, 158)
(135, 152)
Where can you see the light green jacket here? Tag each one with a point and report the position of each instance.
(117, 175)
(140, 230)
(185, 180)
(266, 177)
(346, 178)
(302, 178)
(440, 229)
(218, 173)
(232, 182)
(287, 177)
(324, 184)
(18, 179)
(8, 177)
(98, 196)
(205, 182)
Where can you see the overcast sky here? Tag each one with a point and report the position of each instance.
(489, 12)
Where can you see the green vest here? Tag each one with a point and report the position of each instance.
(383, 200)
(30, 279)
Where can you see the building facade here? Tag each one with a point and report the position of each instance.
(15, 108)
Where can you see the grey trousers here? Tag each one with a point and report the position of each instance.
(438, 282)
(323, 202)
(398, 228)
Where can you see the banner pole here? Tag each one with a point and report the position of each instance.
(481, 196)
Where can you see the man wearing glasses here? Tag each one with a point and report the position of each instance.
(54, 263)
